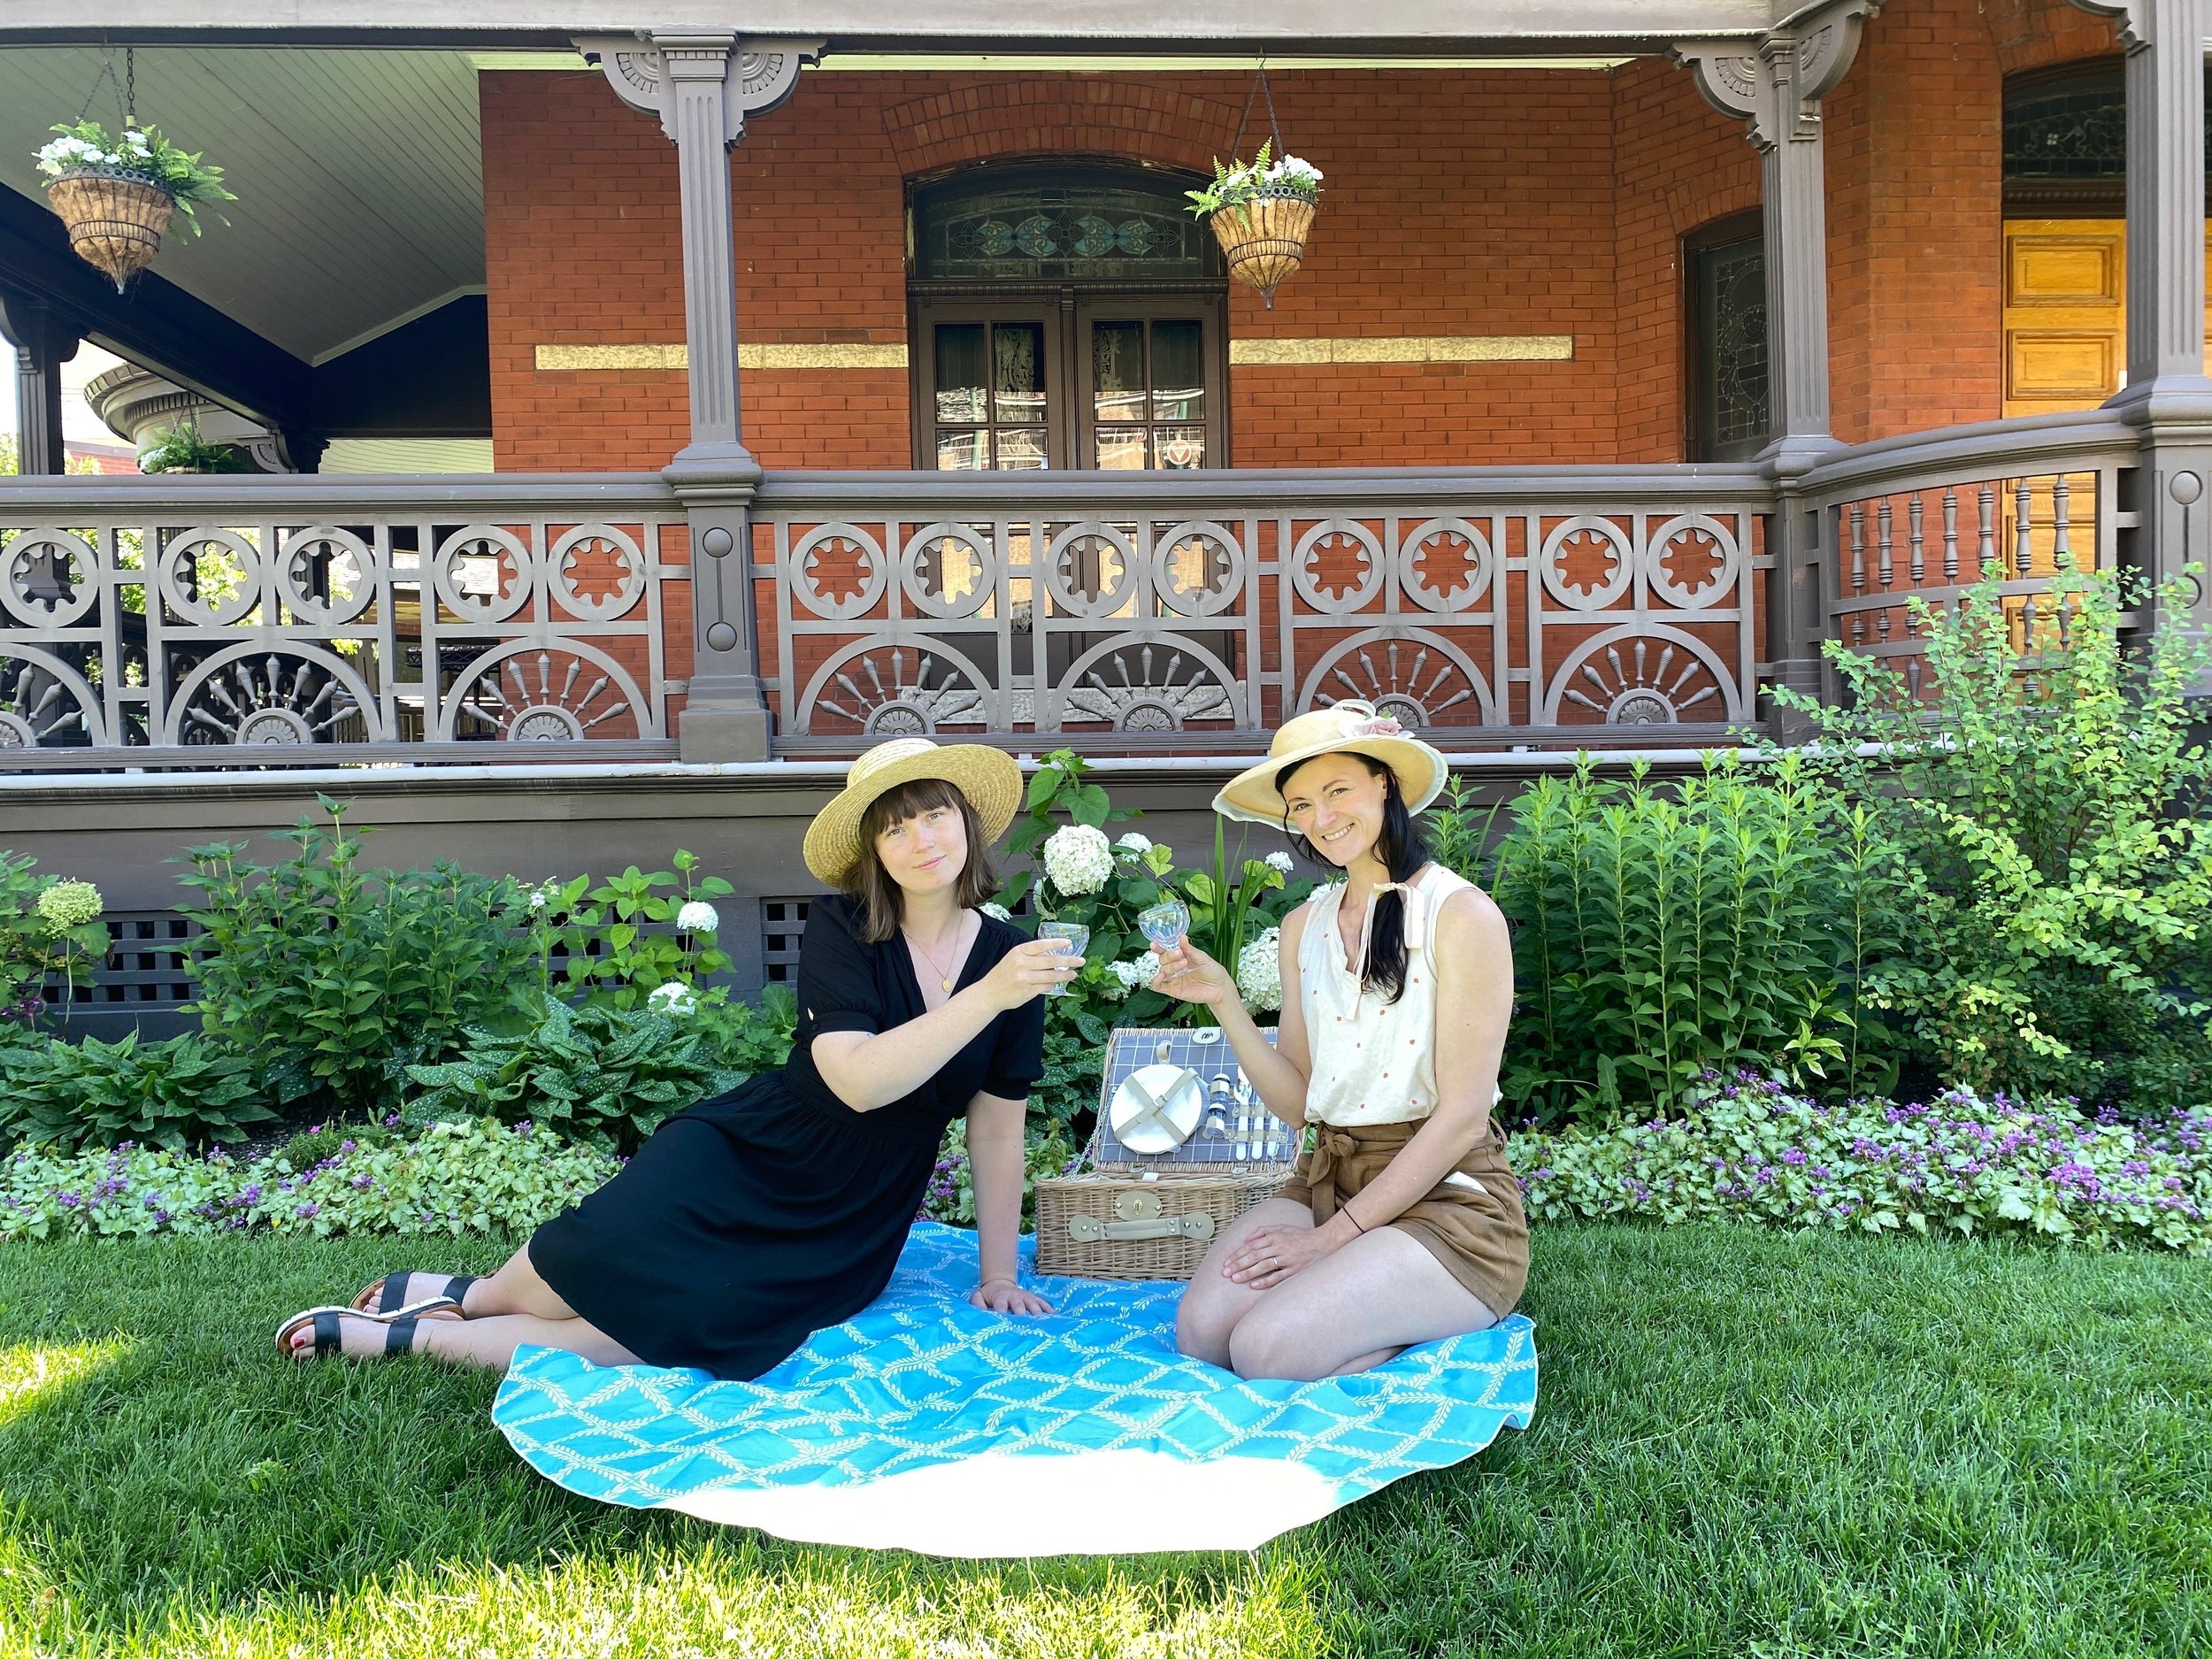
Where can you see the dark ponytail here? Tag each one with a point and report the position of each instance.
(1402, 852)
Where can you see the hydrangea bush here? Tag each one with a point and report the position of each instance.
(48, 928)
(1754, 1152)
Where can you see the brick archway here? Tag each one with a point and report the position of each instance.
(1060, 115)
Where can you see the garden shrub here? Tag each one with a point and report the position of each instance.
(179, 1094)
(1046, 1152)
(48, 928)
(743, 1039)
(1662, 933)
(335, 978)
(1754, 1152)
(603, 1075)
(2036, 815)
(623, 940)
(1104, 885)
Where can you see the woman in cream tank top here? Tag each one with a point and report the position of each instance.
(1403, 1223)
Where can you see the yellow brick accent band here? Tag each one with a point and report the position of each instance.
(1404, 349)
(748, 357)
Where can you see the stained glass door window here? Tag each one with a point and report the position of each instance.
(1730, 413)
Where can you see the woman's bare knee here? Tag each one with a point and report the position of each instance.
(1202, 1326)
(1266, 1346)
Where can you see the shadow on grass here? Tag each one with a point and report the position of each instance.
(1746, 1442)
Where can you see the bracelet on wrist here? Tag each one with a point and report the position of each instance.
(997, 1278)
(1346, 1211)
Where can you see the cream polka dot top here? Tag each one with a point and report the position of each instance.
(1372, 1062)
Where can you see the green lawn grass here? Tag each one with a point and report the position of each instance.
(1748, 1443)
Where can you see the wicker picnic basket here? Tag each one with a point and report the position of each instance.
(1134, 1216)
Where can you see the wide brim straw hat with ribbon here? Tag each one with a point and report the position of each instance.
(988, 777)
(1351, 727)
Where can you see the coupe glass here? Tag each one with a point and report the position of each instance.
(1165, 923)
(1076, 936)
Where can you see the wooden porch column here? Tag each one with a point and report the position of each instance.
(43, 343)
(703, 87)
(1776, 84)
(2167, 395)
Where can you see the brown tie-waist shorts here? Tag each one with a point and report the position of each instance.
(1478, 1231)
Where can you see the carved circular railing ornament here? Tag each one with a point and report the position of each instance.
(180, 580)
(274, 726)
(472, 552)
(1586, 536)
(543, 723)
(1107, 545)
(350, 567)
(897, 691)
(1691, 531)
(1215, 549)
(15, 731)
(33, 587)
(598, 543)
(840, 543)
(42, 697)
(529, 691)
(1453, 536)
(1340, 537)
(256, 695)
(1417, 677)
(946, 544)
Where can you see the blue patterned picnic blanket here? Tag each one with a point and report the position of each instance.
(929, 1424)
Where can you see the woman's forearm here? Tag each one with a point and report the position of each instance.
(1433, 1153)
(1281, 1086)
(866, 1072)
(995, 1171)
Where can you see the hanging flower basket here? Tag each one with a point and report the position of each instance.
(115, 220)
(117, 195)
(1262, 212)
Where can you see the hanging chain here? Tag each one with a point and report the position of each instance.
(1260, 88)
(125, 91)
(130, 87)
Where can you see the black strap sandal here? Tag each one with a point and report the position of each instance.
(328, 1326)
(392, 1290)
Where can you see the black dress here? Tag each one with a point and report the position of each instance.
(753, 1219)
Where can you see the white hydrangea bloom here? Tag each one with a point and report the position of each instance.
(1135, 845)
(1138, 973)
(673, 998)
(540, 897)
(996, 911)
(68, 904)
(698, 916)
(1278, 861)
(1078, 858)
(1259, 972)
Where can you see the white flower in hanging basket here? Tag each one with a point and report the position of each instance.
(1261, 211)
(117, 195)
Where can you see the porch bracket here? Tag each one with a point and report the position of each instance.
(702, 88)
(2166, 395)
(43, 341)
(1775, 84)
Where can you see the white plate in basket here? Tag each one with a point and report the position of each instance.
(1182, 1100)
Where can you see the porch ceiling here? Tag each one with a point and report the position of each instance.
(359, 176)
(871, 23)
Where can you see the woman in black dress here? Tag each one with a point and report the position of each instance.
(752, 1220)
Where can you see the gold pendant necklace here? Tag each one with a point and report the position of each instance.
(944, 979)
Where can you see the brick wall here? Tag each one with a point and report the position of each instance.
(1462, 202)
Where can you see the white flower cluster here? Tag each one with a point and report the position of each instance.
(1278, 861)
(1290, 172)
(69, 150)
(996, 911)
(68, 904)
(1133, 845)
(673, 998)
(1078, 858)
(698, 916)
(1138, 973)
(1259, 972)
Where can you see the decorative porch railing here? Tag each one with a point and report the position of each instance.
(1930, 515)
(1199, 611)
(189, 619)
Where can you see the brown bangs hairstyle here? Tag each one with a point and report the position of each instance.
(870, 884)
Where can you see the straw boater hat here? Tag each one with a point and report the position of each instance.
(988, 777)
(1351, 727)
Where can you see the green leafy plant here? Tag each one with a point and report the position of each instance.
(1460, 833)
(950, 1196)
(744, 1039)
(1242, 181)
(2039, 813)
(179, 1094)
(1660, 933)
(630, 934)
(50, 928)
(335, 978)
(181, 449)
(604, 1075)
(135, 152)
